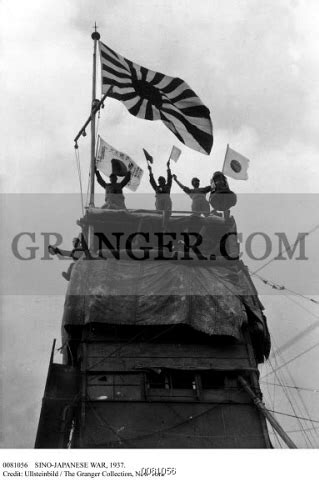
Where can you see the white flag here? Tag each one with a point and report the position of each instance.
(235, 165)
(136, 176)
(107, 153)
(175, 154)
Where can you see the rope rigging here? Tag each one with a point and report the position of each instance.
(87, 197)
(292, 359)
(290, 402)
(78, 167)
(295, 339)
(283, 251)
(288, 297)
(291, 398)
(298, 430)
(295, 416)
(302, 407)
(164, 430)
(281, 287)
(276, 286)
(292, 387)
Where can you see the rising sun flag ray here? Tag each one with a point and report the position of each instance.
(151, 95)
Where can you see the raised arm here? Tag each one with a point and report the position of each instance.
(100, 179)
(152, 180)
(169, 175)
(126, 179)
(207, 189)
(184, 188)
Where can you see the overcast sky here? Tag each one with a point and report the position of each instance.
(254, 64)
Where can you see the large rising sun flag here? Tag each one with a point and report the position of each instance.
(153, 96)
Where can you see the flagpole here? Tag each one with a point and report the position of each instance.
(225, 157)
(95, 36)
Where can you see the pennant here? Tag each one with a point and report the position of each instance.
(154, 96)
(175, 154)
(148, 156)
(106, 153)
(235, 165)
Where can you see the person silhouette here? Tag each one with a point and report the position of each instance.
(114, 198)
(198, 195)
(162, 189)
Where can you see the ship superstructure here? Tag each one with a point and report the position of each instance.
(162, 330)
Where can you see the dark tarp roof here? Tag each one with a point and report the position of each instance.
(214, 299)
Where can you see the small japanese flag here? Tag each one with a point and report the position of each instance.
(175, 154)
(235, 165)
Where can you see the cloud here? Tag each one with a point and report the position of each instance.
(250, 63)
(254, 64)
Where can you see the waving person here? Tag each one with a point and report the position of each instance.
(198, 195)
(162, 189)
(114, 198)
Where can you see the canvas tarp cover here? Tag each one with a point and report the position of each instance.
(213, 230)
(211, 299)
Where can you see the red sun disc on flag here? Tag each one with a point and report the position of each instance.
(235, 166)
(118, 167)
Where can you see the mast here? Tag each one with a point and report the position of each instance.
(261, 407)
(95, 36)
